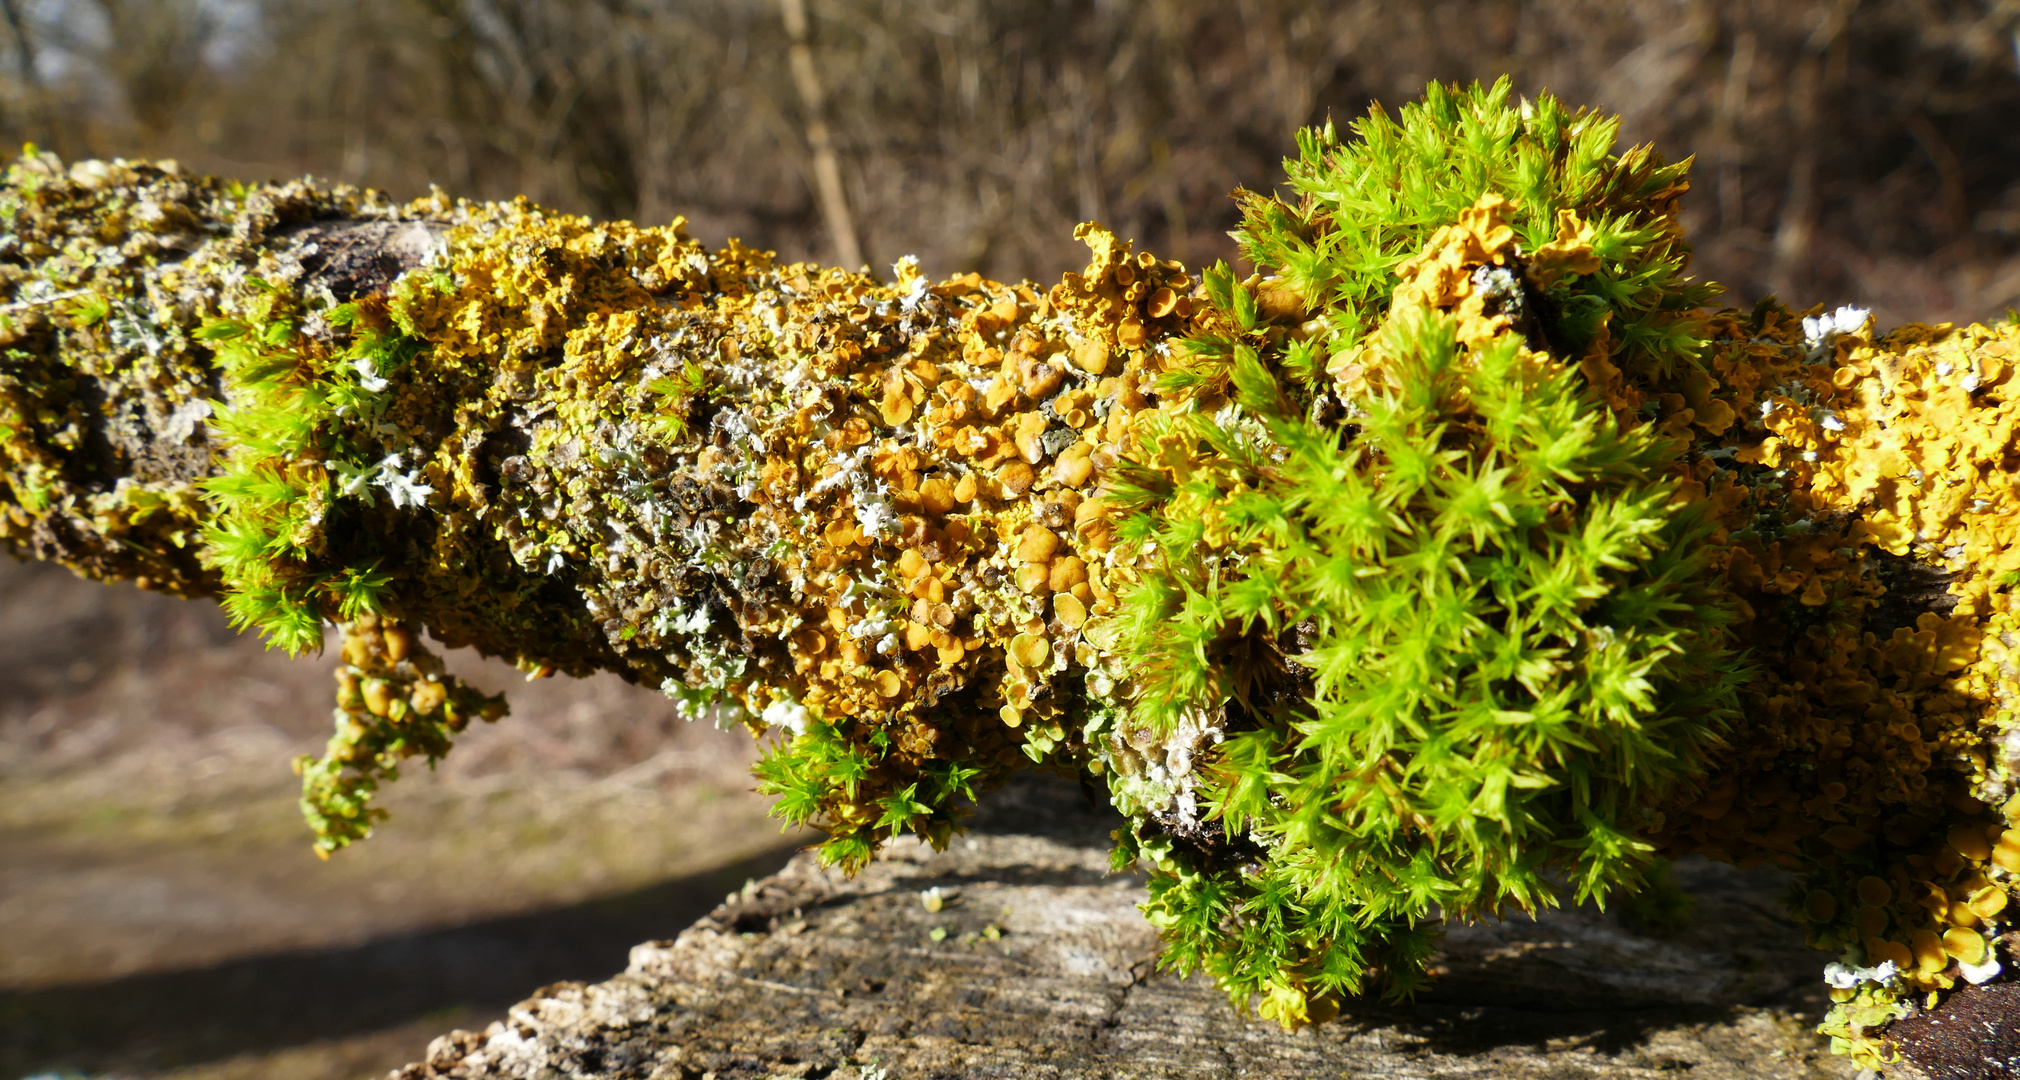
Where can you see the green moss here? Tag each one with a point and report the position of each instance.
(1455, 642)
(293, 467)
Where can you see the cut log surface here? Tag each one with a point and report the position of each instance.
(1037, 964)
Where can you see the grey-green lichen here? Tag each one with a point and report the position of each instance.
(105, 395)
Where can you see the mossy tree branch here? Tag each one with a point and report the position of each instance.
(1461, 552)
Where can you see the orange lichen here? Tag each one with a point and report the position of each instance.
(911, 459)
(1867, 519)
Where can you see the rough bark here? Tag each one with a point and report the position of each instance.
(1046, 969)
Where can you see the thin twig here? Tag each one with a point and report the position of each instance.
(24, 305)
(827, 167)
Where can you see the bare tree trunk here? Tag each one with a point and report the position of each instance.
(827, 165)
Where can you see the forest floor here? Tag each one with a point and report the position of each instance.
(163, 915)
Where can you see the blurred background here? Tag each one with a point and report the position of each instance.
(1846, 150)
(160, 914)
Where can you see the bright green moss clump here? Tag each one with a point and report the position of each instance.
(289, 468)
(1440, 608)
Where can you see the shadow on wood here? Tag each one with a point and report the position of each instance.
(1036, 963)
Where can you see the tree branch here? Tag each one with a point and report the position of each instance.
(1461, 558)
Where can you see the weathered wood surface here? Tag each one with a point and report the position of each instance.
(809, 974)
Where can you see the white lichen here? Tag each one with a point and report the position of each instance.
(787, 714)
(1820, 332)
(1847, 977)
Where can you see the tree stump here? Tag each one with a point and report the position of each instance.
(1037, 964)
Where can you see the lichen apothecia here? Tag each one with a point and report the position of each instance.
(1463, 557)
